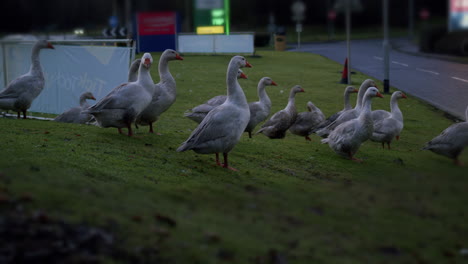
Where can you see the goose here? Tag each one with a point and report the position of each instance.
(307, 121)
(451, 141)
(164, 92)
(124, 103)
(279, 123)
(349, 114)
(199, 112)
(223, 126)
(75, 115)
(386, 128)
(133, 71)
(347, 137)
(19, 94)
(260, 109)
(347, 106)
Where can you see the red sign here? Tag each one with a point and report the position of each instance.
(424, 14)
(331, 14)
(156, 23)
(458, 6)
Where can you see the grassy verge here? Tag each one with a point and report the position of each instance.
(292, 200)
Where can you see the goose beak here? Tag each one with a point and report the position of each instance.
(273, 83)
(403, 96)
(178, 57)
(147, 63)
(243, 76)
(247, 64)
(302, 90)
(92, 98)
(355, 91)
(379, 95)
(49, 46)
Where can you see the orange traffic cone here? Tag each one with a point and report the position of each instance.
(344, 74)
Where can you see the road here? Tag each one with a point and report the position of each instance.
(441, 83)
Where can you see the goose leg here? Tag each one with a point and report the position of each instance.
(250, 134)
(397, 137)
(308, 138)
(457, 162)
(24, 114)
(19, 115)
(120, 130)
(383, 145)
(225, 165)
(130, 132)
(217, 159)
(388, 144)
(151, 128)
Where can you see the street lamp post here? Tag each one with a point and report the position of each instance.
(386, 48)
(348, 37)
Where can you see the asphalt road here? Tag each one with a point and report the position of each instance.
(441, 83)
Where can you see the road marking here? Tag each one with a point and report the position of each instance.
(378, 58)
(428, 71)
(460, 79)
(399, 63)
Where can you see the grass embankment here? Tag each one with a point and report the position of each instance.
(291, 199)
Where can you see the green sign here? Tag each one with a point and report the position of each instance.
(209, 13)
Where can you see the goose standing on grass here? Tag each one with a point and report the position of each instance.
(349, 114)
(164, 93)
(75, 115)
(306, 122)
(199, 112)
(133, 71)
(388, 125)
(451, 141)
(223, 126)
(20, 93)
(279, 123)
(124, 103)
(347, 106)
(260, 110)
(346, 138)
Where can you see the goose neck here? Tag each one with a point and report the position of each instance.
(234, 91)
(262, 95)
(35, 61)
(347, 104)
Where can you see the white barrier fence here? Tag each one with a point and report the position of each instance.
(235, 43)
(72, 68)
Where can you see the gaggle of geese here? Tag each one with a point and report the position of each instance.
(223, 119)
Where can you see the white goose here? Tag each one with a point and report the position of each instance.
(124, 103)
(21, 92)
(222, 128)
(390, 123)
(306, 122)
(164, 93)
(349, 114)
(75, 115)
(347, 106)
(346, 138)
(199, 112)
(260, 110)
(451, 141)
(279, 123)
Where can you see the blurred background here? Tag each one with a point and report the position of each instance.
(93, 17)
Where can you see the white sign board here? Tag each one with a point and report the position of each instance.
(69, 71)
(213, 44)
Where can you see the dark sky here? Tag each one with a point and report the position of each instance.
(41, 15)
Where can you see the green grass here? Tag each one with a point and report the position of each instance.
(290, 196)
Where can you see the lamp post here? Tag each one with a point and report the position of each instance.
(348, 37)
(386, 48)
(298, 9)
